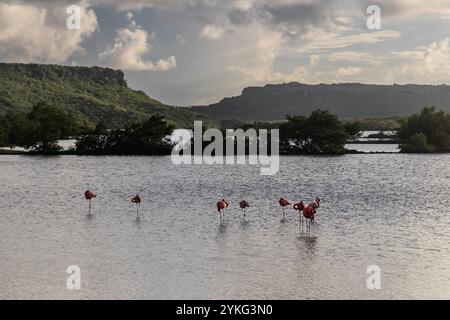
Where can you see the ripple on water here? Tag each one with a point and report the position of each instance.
(388, 210)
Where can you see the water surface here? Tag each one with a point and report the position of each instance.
(389, 210)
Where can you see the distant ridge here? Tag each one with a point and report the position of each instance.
(347, 100)
(90, 94)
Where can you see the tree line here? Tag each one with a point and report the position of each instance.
(319, 133)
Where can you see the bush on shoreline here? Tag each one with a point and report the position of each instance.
(37, 131)
(147, 138)
(320, 133)
(426, 132)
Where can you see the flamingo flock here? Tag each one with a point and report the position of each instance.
(306, 212)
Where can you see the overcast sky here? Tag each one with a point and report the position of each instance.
(199, 51)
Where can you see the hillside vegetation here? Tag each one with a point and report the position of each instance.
(89, 94)
(352, 100)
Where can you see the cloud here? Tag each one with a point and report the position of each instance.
(130, 18)
(38, 33)
(299, 74)
(430, 64)
(314, 60)
(240, 17)
(410, 8)
(355, 57)
(348, 71)
(126, 5)
(321, 40)
(298, 15)
(258, 66)
(212, 32)
(181, 39)
(127, 51)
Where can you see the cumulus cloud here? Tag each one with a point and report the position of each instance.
(37, 33)
(314, 60)
(128, 49)
(258, 66)
(348, 71)
(429, 64)
(212, 32)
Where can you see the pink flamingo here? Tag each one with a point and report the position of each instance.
(315, 204)
(283, 203)
(89, 196)
(308, 213)
(221, 206)
(243, 205)
(137, 199)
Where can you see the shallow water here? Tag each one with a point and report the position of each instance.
(389, 210)
(380, 148)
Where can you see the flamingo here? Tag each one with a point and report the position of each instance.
(315, 204)
(283, 203)
(137, 199)
(89, 196)
(243, 205)
(308, 213)
(221, 206)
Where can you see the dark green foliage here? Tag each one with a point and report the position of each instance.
(418, 143)
(90, 95)
(38, 130)
(353, 130)
(428, 131)
(46, 125)
(320, 133)
(147, 138)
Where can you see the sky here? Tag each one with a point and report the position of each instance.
(195, 52)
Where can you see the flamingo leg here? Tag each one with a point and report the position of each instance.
(90, 204)
(284, 215)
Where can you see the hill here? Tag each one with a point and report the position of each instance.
(89, 94)
(351, 101)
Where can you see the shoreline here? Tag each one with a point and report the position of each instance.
(71, 153)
